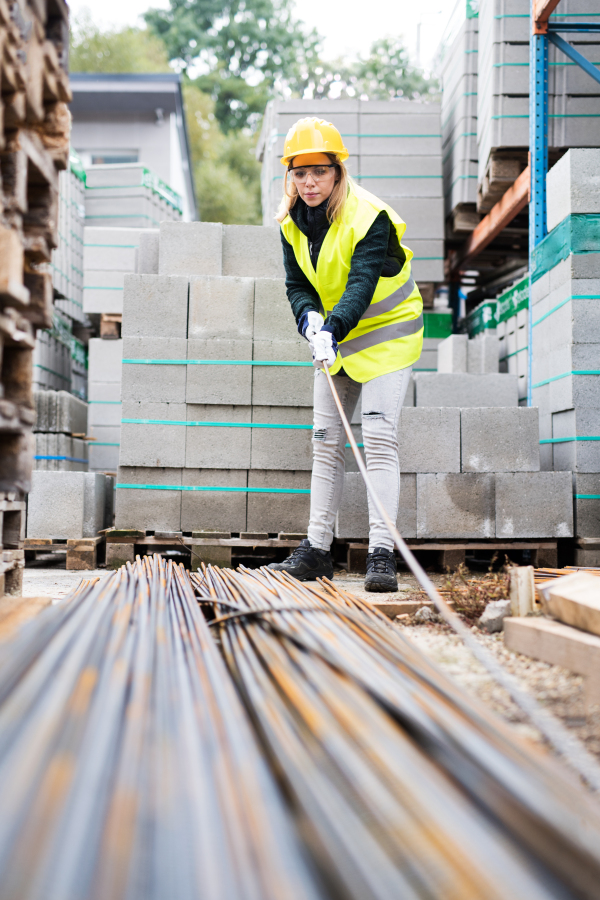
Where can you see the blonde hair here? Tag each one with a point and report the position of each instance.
(337, 198)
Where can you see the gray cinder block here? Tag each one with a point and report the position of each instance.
(586, 489)
(282, 448)
(103, 458)
(221, 308)
(155, 306)
(218, 447)
(573, 185)
(105, 412)
(147, 258)
(109, 501)
(452, 354)
(352, 520)
(104, 361)
(440, 389)
(65, 505)
(72, 414)
(157, 444)
(145, 507)
(455, 506)
(483, 353)
(576, 455)
(226, 384)
(214, 510)
(163, 383)
(252, 250)
(282, 385)
(534, 505)
(275, 512)
(190, 248)
(273, 317)
(500, 440)
(429, 439)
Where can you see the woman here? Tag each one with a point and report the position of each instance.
(344, 260)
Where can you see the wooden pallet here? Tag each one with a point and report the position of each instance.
(82, 553)
(450, 554)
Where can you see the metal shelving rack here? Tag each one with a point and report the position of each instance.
(542, 33)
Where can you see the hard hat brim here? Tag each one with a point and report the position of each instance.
(340, 154)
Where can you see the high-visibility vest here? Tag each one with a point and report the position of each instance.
(389, 335)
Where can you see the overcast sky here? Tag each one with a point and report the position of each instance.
(348, 27)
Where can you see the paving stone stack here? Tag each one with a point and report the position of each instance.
(218, 294)
(69, 505)
(566, 337)
(512, 316)
(109, 254)
(67, 257)
(503, 91)
(128, 195)
(104, 405)
(459, 117)
(60, 432)
(395, 152)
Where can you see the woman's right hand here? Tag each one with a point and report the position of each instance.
(311, 323)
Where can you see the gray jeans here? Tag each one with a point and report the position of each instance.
(382, 400)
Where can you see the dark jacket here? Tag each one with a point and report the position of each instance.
(378, 254)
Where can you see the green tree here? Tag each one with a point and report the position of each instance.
(115, 50)
(241, 50)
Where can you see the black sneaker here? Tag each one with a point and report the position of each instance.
(306, 563)
(381, 571)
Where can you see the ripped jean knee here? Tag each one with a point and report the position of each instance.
(319, 434)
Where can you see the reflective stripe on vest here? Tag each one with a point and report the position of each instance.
(380, 335)
(389, 303)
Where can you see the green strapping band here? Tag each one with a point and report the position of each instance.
(563, 303)
(111, 402)
(566, 375)
(575, 234)
(568, 440)
(93, 287)
(587, 496)
(180, 487)
(509, 355)
(212, 362)
(210, 424)
(103, 444)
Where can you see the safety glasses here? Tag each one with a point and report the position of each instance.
(300, 173)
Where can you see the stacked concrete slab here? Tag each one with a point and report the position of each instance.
(215, 436)
(566, 336)
(109, 253)
(129, 196)
(69, 505)
(67, 258)
(512, 316)
(60, 430)
(459, 117)
(104, 387)
(395, 152)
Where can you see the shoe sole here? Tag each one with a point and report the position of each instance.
(379, 587)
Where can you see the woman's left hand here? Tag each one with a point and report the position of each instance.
(325, 348)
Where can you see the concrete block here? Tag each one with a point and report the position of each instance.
(429, 439)
(105, 412)
(577, 455)
(452, 354)
(72, 414)
(573, 185)
(455, 506)
(145, 508)
(104, 361)
(573, 392)
(534, 505)
(79, 450)
(221, 308)
(155, 306)
(93, 503)
(424, 217)
(214, 510)
(586, 490)
(252, 251)
(109, 257)
(483, 353)
(109, 501)
(282, 448)
(160, 383)
(217, 447)
(65, 505)
(103, 458)
(500, 440)
(352, 520)
(103, 291)
(437, 389)
(147, 257)
(190, 248)
(157, 444)
(275, 512)
(229, 385)
(273, 317)
(104, 392)
(282, 385)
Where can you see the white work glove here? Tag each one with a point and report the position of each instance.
(324, 348)
(315, 323)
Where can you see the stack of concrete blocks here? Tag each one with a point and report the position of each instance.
(395, 153)
(459, 118)
(109, 254)
(459, 354)
(128, 196)
(104, 389)
(69, 505)
(67, 258)
(52, 361)
(503, 90)
(60, 430)
(566, 338)
(218, 295)
(512, 313)
(469, 470)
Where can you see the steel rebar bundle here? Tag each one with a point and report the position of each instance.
(233, 735)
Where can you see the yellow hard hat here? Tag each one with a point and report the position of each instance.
(313, 135)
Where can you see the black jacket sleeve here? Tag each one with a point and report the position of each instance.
(302, 295)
